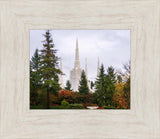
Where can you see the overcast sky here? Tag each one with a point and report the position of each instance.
(111, 46)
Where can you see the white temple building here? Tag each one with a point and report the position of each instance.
(75, 73)
(98, 68)
(61, 76)
(86, 72)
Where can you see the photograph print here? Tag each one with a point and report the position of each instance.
(80, 69)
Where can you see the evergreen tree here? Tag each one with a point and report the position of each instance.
(35, 61)
(119, 79)
(111, 74)
(100, 87)
(92, 84)
(83, 87)
(34, 70)
(33, 93)
(68, 86)
(35, 80)
(110, 80)
(49, 67)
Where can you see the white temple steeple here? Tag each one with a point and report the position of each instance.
(98, 68)
(77, 62)
(75, 73)
(86, 68)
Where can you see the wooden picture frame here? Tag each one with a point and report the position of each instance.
(18, 17)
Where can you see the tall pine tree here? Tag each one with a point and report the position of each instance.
(35, 61)
(92, 84)
(35, 80)
(49, 67)
(34, 70)
(110, 80)
(100, 87)
(68, 86)
(83, 86)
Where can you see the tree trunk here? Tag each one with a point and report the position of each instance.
(48, 99)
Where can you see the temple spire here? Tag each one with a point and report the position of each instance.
(86, 73)
(77, 62)
(75, 73)
(86, 68)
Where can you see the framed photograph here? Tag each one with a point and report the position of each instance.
(98, 79)
(97, 74)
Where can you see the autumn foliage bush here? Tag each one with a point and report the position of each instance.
(118, 98)
(54, 100)
(122, 104)
(68, 96)
(74, 97)
(85, 105)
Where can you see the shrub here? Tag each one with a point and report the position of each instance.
(76, 106)
(92, 105)
(85, 105)
(64, 103)
(55, 100)
(60, 107)
(109, 107)
(69, 96)
(54, 104)
(74, 97)
(100, 107)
